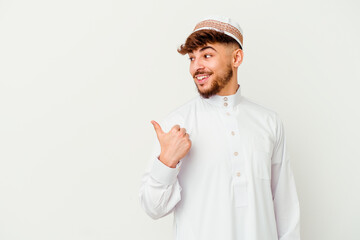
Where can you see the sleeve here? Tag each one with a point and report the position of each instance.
(160, 189)
(285, 198)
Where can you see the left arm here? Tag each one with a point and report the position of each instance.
(285, 198)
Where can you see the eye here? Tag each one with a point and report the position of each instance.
(191, 58)
(207, 55)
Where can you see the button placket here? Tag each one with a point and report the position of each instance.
(233, 137)
(236, 154)
(234, 141)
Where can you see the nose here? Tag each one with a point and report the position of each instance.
(196, 65)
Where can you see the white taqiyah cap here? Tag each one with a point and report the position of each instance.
(222, 24)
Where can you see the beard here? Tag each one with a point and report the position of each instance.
(217, 84)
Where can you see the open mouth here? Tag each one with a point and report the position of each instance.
(202, 78)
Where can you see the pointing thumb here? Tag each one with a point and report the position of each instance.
(157, 128)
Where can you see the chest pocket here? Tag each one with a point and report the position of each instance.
(261, 157)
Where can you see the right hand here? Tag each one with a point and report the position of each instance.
(174, 145)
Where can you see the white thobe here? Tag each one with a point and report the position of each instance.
(236, 182)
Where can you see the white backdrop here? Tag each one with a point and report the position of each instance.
(80, 82)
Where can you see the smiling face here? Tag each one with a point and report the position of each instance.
(211, 68)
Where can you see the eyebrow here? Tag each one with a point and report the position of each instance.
(204, 48)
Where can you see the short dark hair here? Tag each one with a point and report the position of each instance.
(203, 37)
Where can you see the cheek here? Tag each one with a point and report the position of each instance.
(214, 64)
(191, 71)
(219, 66)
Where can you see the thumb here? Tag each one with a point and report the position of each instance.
(157, 128)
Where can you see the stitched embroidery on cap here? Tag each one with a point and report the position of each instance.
(222, 27)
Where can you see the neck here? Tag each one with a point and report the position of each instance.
(230, 88)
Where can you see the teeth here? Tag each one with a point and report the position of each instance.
(201, 77)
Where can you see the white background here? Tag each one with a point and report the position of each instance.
(80, 82)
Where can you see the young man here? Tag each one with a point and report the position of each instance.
(220, 161)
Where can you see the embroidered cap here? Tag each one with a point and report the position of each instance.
(222, 24)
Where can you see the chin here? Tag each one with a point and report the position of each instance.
(204, 85)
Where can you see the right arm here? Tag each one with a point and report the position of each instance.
(160, 188)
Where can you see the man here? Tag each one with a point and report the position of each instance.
(220, 162)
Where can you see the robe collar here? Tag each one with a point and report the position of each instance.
(225, 102)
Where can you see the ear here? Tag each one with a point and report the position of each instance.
(238, 56)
